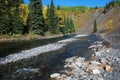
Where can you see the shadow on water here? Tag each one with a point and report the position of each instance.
(54, 60)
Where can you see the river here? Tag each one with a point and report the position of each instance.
(53, 59)
(7, 48)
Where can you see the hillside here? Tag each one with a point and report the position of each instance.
(108, 24)
(81, 15)
(110, 21)
(87, 20)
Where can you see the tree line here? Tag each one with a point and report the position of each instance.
(18, 18)
(111, 4)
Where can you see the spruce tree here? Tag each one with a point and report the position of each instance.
(53, 20)
(16, 24)
(58, 7)
(64, 29)
(36, 19)
(48, 15)
(71, 26)
(67, 29)
(94, 27)
(68, 26)
(2, 19)
(11, 22)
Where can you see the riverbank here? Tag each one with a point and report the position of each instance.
(17, 38)
(103, 65)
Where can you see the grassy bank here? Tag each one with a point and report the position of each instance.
(14, 38)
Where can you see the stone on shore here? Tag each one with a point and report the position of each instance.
(103, 65)
(96, 71)
(55, 75)
(108, 68)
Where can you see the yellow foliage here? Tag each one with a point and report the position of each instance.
(59, 13)
(109, 25)
(61, 17)
(24, 13)
(44, 12)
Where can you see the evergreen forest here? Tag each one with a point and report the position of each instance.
(16, 17)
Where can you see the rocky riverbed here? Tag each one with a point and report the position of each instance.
(67, 59)
(103, 65)
(29, 64)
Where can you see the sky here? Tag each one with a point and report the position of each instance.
(89, 3)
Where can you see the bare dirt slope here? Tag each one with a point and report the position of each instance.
(110, 21)
(87, 28)
(108, 24)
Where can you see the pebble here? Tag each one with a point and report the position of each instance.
(108, 68)
(96, 71)
(101, 67)
(55, 75)
(95, 63)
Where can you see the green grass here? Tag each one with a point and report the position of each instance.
(74, 9)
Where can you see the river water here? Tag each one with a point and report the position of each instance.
(53, 60)
(7, 48)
